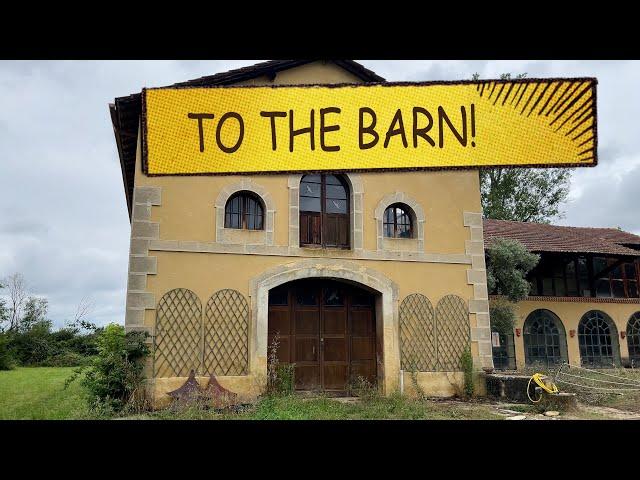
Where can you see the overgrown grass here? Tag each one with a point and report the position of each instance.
(293, 407)
(37, 393)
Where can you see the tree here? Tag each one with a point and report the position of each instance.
(35, 311)
(17, 296)
(508, 262)
(523, 194)
(4, 311)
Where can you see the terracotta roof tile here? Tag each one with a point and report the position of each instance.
(541, 237)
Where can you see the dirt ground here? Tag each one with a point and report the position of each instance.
(515, 411)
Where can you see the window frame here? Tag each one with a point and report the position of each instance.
(408, 211)
(244, 196)
(535, 341)
(323, 214)
(592, 344)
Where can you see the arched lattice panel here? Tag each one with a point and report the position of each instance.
(178, 334)
(452, 327)
(417, 334)
(226, 334)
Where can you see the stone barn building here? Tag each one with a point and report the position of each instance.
(372, 275)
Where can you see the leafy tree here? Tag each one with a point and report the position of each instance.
(508, 262)
(7, 360)
(523, 194)
(35, 311)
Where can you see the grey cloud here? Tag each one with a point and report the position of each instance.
(23, 227)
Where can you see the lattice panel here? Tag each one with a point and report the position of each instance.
(417, 334)
(226, 334)
(452, 327)
(178, 334)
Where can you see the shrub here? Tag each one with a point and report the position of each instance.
(280, 377)
(7, 360)
(364, 389)
(115, 374)
(508, 264)
(33, 345)
(467, 367)
(503, 316)
(66, 359)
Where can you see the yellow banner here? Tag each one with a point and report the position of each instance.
(529, 122)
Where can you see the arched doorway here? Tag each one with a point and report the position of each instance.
(598, 339)
(327, 328)
(545, 340)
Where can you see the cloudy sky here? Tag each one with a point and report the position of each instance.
(63, 217)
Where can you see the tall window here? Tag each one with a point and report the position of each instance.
(324, 211)
(244, 210)
(598, 340)
(397, 221)
(545, 341)
(633, 339)
(504, 352)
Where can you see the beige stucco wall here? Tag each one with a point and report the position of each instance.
(175, 245)
(570, 314)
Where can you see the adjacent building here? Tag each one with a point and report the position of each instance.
(584, 305)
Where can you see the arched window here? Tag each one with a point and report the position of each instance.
(244, 210)
(324, 211)
(545, 340)
(398, 221)
(598, 339)
(633, 339)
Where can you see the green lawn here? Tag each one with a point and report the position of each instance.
(38, 393)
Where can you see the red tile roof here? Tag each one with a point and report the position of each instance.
(541, 237)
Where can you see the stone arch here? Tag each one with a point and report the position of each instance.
(245, 184)
(356, 205)
(386, 309)
(418, 214)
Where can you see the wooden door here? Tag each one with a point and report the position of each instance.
(327, 329)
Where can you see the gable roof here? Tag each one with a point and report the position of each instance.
(125, 111)
(541, 237)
